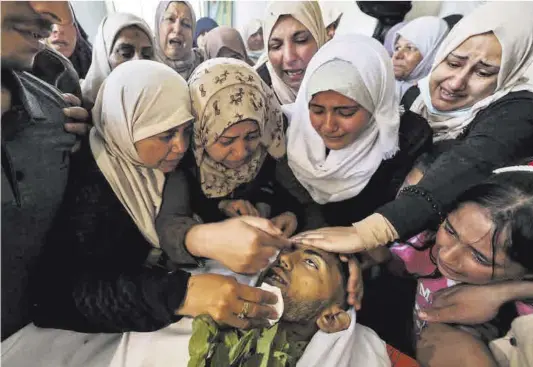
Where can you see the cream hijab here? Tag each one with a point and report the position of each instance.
(195, 58)
(306, 12)
(224, 92)
(426, 33)
(224, 36)
(512, 23)
(360, 68)
(104, 41)
(126, 111)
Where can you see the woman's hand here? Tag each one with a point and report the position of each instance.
(286, 222)
(354, 288)
(242, 244)
(223, 298)
(344, 240)
(236, 208)
(78, 119)
(375, 256)
(465, 304)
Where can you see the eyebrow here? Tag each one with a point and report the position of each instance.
(336, 107)
(485, 64)
(233, 137)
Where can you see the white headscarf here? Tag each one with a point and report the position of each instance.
(250, 28)
(360, 68)
(426, 33)
(127, 110)
(104, 41)
(512, 23)
(306, 12)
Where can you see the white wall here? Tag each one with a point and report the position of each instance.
(89, 14)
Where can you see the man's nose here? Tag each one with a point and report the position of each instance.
(57, 12)
(285, 261)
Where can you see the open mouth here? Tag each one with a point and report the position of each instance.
(276, 276)
(334, 138)
(295, 74)
(60, 43)
(448, 95)
(176, 42)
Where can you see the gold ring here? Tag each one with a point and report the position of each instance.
(244, 313)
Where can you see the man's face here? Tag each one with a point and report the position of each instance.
(310, 280)
(24, 23)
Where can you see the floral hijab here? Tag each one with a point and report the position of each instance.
(225, 92)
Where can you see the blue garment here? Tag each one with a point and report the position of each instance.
(204, 24)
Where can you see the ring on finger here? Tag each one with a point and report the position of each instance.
(244, 312)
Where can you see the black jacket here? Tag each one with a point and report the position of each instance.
(500, 134)
(35, 161)
(92, 275)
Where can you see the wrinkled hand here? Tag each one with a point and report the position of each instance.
(343, 240)
(78, 120)
(243, 244)
(286, 222)
(355, 286)
(236, 208)
(464, 304)
(223, 298)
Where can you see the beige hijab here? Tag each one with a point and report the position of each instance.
(126, 111)
(512, 23)
(195, 58)
(108, 31)
(306, 12)
(224, 92)
(224, 36)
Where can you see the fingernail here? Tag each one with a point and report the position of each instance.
(66, 111)
(422, 315)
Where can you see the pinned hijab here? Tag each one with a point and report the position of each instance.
(359, 68)
(227, 37)
(126, 111)
(204, 25)
(186, 66)
(248, 30)
(104, 41)
(225, 92)
(306, 12)
(426, 33)
(512, 24)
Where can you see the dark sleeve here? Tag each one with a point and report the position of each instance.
(91, 275)
(501, 135)
(175, 219)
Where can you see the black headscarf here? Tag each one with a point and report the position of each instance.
(82, 56)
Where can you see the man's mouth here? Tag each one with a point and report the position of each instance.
(276, 276)
(60, 43)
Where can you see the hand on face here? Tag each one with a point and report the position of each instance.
(223, 299)
(243, 244)
(343, 240)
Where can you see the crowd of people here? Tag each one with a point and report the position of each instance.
(390, 178)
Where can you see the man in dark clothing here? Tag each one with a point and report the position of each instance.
(35, 148)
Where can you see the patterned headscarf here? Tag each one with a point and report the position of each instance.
(225, 92)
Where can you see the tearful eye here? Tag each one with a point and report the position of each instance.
(311, 263)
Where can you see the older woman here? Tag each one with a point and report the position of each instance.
(203, 26)
(294, 31)
(415, 47)
(116, 279)
(238, 135)
(348, 147)
(225, 41)
(478, 104)
(121, 37)
(175, 24)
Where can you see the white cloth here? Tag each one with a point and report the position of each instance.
(306, 12)
(129, 109)
(426, 33)
(354, 20)
(356, 346)
(104, 41)
(331, 11)
(361, 69)
(512, 24)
